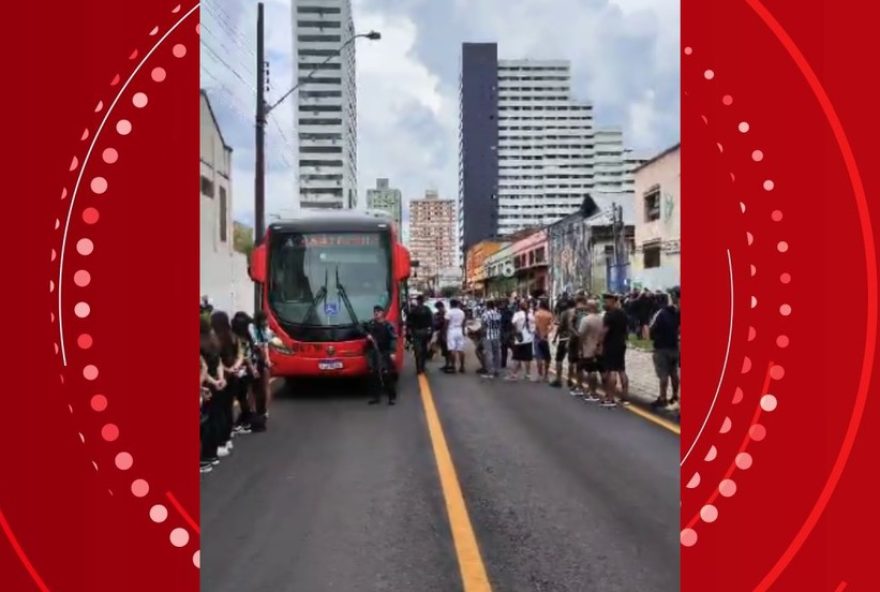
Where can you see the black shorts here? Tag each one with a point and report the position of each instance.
(542, 350)
(562, 350)
(523, 352)
(590, 365)
(614, 360)
(666, 363)
(574, 350)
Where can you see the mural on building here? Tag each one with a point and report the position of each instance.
(570, 255)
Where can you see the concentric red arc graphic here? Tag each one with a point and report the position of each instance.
(99, 487)
(762, 138)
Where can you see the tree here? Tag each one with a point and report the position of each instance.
(242, 238)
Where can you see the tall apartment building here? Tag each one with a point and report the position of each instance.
(432, 240)
(530, 153)
(386, 199)
(326, 104)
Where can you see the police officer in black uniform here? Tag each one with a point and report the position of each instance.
(420, 322)
(381, 348)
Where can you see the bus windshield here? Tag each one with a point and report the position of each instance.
(329, 279)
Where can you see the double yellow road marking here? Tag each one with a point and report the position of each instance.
(470, 562)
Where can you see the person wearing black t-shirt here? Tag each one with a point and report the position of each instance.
(614, 347)
(665, 335)
(420, 324)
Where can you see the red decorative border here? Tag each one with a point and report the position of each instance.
(779, 255)
(102, 481)
(776, 179)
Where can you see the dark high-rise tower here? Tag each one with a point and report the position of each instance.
(478, 149)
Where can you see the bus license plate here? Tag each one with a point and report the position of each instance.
(330, 365)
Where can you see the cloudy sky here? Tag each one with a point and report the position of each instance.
(624, 54)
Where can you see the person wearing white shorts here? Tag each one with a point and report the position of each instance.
(455, 334)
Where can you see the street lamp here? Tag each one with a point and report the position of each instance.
(372, 36)
(263, 110)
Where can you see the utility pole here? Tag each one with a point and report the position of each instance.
(260, 151)
(263, 111)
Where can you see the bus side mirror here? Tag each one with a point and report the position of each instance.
(402, 264)
(257, 269)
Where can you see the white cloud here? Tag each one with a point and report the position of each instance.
(624, 54)
(407, 124)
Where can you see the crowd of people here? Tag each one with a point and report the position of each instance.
(234, 362)
(582, 341)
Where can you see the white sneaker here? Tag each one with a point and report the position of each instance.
(591, 399)
(576, 393)
(229, 445)
(222, 451)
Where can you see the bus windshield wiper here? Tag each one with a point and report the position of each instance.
(321, 295)
(340, 289)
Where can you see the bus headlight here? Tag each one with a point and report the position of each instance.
(278, 345)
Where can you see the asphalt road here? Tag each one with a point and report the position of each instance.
(338, 495)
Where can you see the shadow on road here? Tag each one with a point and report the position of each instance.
(328, 389)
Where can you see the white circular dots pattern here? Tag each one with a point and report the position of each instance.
(727, 488)
(688, 537)
(123, 127)
(757, 155)
(709, 513)
(140, 488)
(743, 461)
(197, 559)
(709, 74)
(85, 247)
(158, 513)
(743, 127)
(179, 537)
(98, 185)
(768, 403)
(769, 185)
(139, 100)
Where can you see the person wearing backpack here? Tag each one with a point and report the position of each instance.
(524, 338)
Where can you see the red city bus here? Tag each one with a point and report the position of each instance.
(321, 275)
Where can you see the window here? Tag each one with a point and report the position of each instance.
(320, 38)
(222, 214)
(652, 256)
(652, 204)
(318, 24)
(315, 94)
(320, 108)
(319, 80)
(207, 186)
(309, 67)
(321, 149)
(320, 122)
(318, 10)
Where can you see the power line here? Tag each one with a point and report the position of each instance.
(220, 59)
(225, 21)
(244, 61)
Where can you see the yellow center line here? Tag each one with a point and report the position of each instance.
(653, 418)
(473, 572)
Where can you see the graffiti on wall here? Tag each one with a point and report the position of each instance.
(569, 256)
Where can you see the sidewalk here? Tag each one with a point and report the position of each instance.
(644, 387)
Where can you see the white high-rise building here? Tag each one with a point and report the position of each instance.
(326, 104)
(549, 154)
